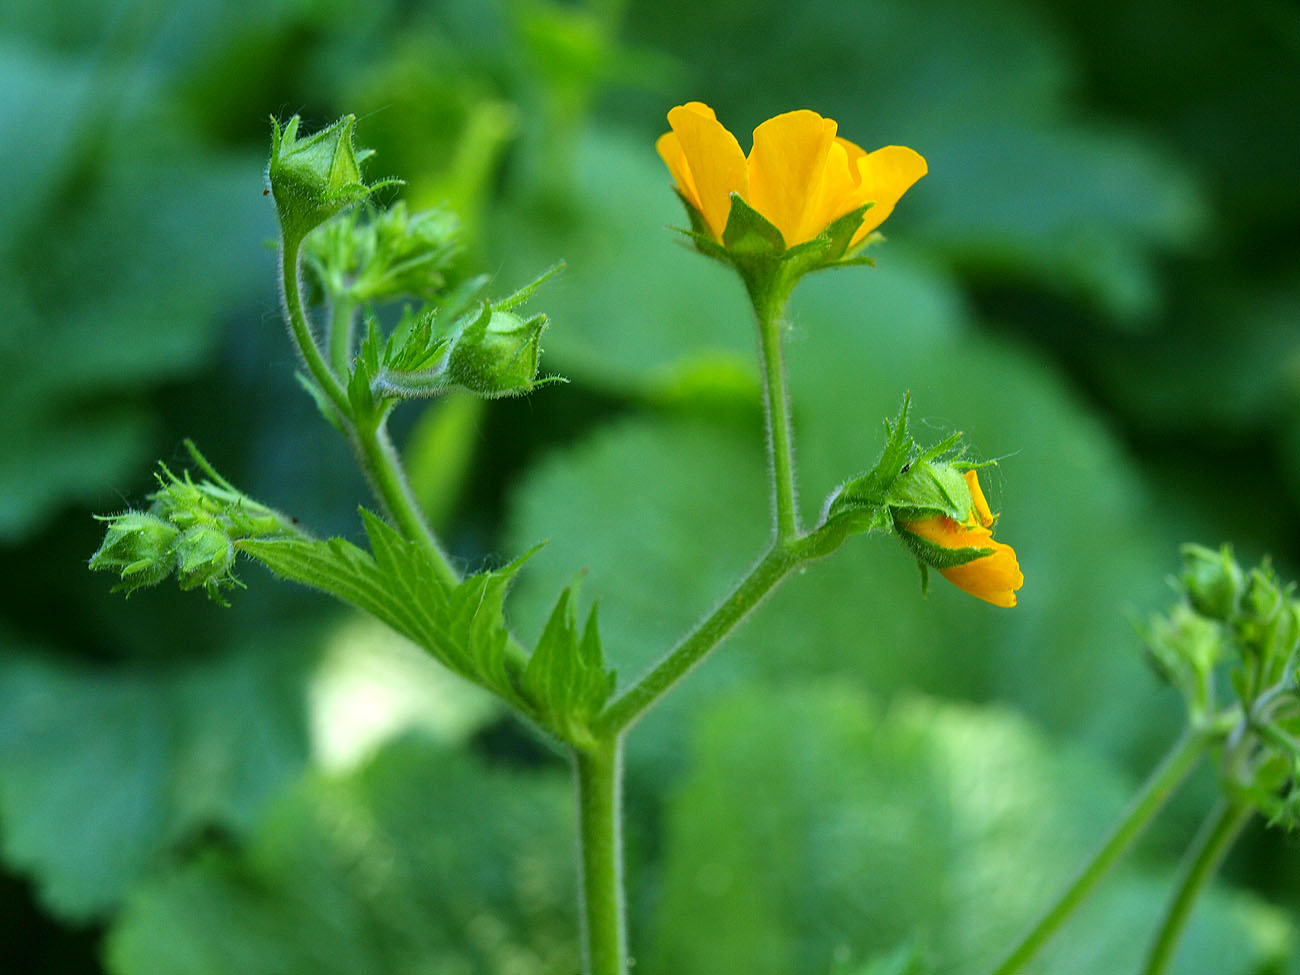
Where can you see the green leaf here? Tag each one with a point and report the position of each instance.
(566, 677)
(811, 829)
(105, 773)
(426, 861)
(462, 627)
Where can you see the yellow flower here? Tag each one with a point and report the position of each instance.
(994, 577)
(799, 175)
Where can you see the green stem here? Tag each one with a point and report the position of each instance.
(769, 309)
(598, 774)
(383, 469)
(1218, 833)
(291, 297)
(1149, 800)
(779, 560)
(342, 321)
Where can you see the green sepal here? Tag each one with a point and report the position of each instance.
(755, 247)
(906, 483)
(462, 626)
(936, 556)
(749, 234)
(565, 679)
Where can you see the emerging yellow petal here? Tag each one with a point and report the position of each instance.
(706, 162)
(993, 578)
(977, 496)
(799, 175)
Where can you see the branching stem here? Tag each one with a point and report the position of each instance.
(1149, 800)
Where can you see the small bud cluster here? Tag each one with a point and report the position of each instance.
(456, 339)
(189, 529)
(1244, 625)
(384, 255)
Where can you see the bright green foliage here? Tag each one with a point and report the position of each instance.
(462, 627)
(426, 861)
(811, 830)
(566, 677)
(107, 774)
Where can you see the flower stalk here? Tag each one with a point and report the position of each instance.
(598, 774)
(1218, 833)
(1155, 792)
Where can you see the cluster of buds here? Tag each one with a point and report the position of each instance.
(457, 339)
(190, 529)
(1244, 625)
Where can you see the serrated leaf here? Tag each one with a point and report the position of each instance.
(462, 626)
(566, 677)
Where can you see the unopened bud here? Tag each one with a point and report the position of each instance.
(497, 354)
(1213, 581)
(138, 547)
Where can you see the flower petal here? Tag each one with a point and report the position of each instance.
(977, 496)
(886, 175)
(993, 578)
(712, 157)
(786, 168)
(669, 148)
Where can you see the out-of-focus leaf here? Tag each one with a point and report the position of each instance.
(104, 773)
(424, 862)
(811, 831)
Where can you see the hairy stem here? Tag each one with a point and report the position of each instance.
(1154, 793)
(1218, 833)
(770, 309)
(300, 330)
(598, 775)
(342, 329)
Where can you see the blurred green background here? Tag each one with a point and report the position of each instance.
(1099, 282)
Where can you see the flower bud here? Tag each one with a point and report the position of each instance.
(497, 354)
(204, 555)
(314, 178)
(138, 547)
(1213, 581)
(1263, 596)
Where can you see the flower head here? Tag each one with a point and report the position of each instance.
(799, 175)
(991, 573)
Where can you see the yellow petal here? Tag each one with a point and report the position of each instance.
(977, 496)
(993, 578)
(669, 148)
(712, 157)
(945, 532)
(834, 196)
(786, 168)
(886, 175)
